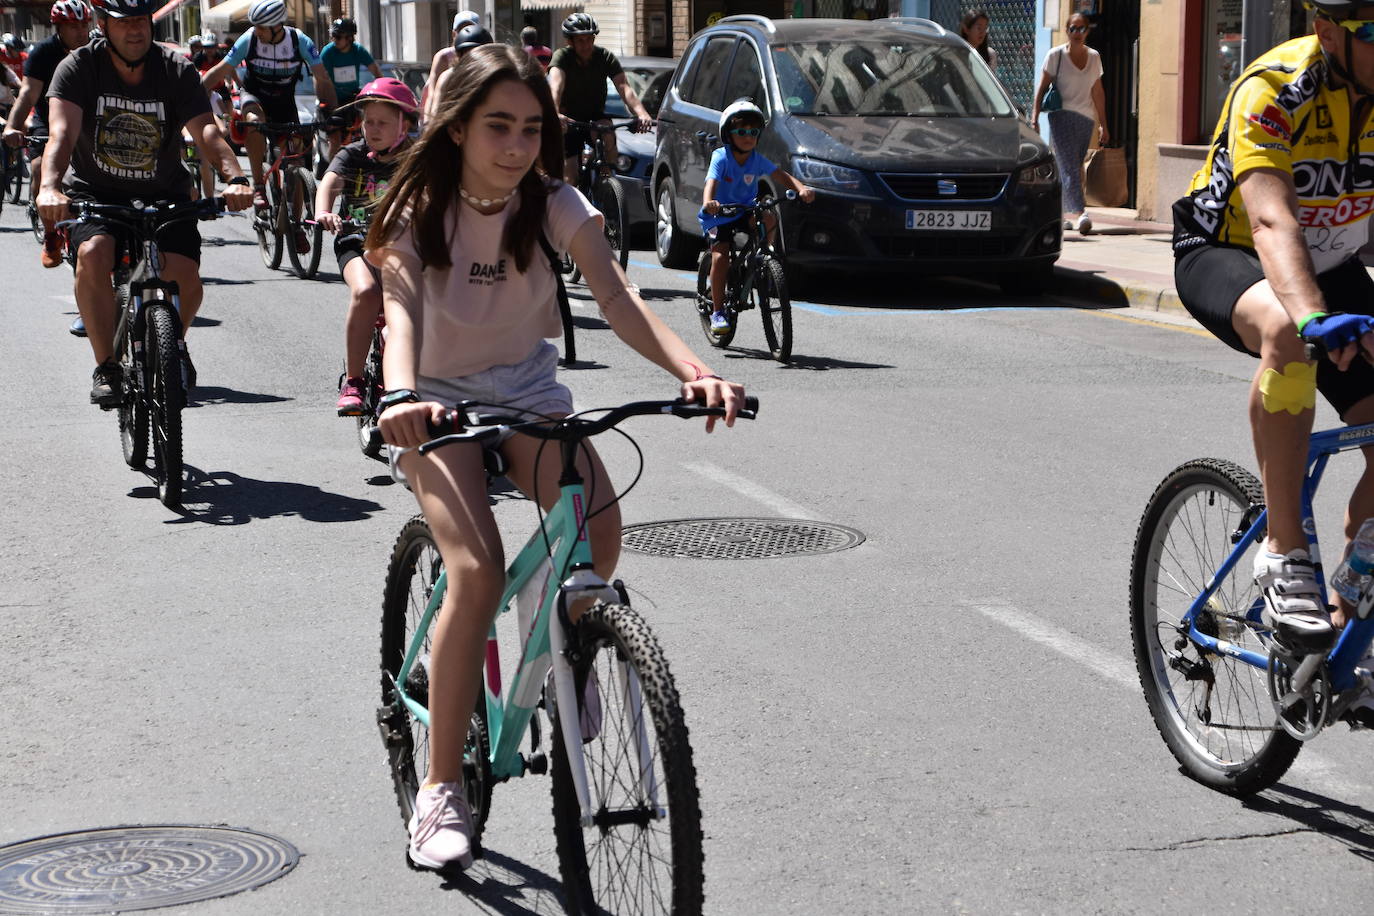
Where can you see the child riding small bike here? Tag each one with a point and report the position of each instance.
(362, 172)
(733, 178)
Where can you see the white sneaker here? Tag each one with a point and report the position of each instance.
(441, 827)
(1085, 225)
(1068, 225)
(1292, 602)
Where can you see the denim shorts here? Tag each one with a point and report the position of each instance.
(530, 385)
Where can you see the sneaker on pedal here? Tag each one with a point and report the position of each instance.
(1293, 604)
(441, 828)
(77, 328)
(351, 397)
(52, 249)
(107, 382)
(720, 322)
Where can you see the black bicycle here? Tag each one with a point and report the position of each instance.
(755, 280)
(148, 339)
(13, 171)
(289, 185)
(603, 190)
(38, 145)
(369, 435)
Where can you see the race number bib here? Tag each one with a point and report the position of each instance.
(347, 74)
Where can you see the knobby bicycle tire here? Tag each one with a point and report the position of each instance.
(268, 225)
(1214, 712)
(628, 861)
(369, 437)
(775, 308)
(705, 306)
(167, 395)
(133, 408)
(414, 567)
(304, 265)
(610, 200)
(35, 222)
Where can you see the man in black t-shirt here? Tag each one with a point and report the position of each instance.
(72, 21)
(116, 111)
(577, 77)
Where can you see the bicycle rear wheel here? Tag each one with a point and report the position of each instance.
(167, 395)
(770, 295)
(643, 852)
(16, 182)
(305, 264)
(705, 306)
(1213, 711)
(269, 227)
(610, 200)
(410, 579)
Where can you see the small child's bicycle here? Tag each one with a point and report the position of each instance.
(755, 280)
(1231, 701)
(627, 819)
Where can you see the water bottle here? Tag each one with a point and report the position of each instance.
(1353, 573)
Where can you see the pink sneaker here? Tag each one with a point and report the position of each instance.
(441, 828)
(351, 398)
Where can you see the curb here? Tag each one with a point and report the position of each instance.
(1100, 288)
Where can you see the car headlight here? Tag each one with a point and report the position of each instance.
(827, 176)
(625, 164)
(1040, 175)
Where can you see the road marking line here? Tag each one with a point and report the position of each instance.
(1123, 673)
(1187, 329)
(747, 488)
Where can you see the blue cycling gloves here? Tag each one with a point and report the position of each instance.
(1335, 330)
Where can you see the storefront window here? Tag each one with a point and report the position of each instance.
(1221, 58)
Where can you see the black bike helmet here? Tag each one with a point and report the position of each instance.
(344, 26)
(124, 9)
(471, 36)
(580, 24)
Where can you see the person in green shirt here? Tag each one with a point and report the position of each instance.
(577, 76)
(346, 61)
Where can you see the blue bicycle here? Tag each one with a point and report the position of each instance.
(1234, 704)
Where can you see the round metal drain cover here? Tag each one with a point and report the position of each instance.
(120, 869)
(739, 538)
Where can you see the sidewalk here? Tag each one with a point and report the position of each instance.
(1124, 261)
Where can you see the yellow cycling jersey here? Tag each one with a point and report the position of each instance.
(1283, 114)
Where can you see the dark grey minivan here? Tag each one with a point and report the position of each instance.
(919, 158)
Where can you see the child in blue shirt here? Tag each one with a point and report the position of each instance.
(733, 178)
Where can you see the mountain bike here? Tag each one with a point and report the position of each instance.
(604, 191)
(289, 186)
(627, 818)
(148, 337)
(38, 145)
(13, 171)
(1233, 702)
(755, 280)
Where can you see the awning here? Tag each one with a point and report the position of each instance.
(167, 10)
(549, 4)
(218, 17)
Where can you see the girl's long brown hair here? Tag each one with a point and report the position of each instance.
(428, 177)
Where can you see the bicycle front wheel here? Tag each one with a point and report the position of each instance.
(133, 410)
(643, 851)
(35, 223)
(411, 577)
(304, 264)
(369, 436)
(1213, 711)
(770, 295)
(705, 307)
(610, 200)
(267, 225)
(166, 397)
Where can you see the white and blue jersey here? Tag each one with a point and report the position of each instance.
(273, 69)
(735, 183)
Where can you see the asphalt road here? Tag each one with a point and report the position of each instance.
(944, 719)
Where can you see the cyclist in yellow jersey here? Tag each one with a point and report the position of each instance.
(1266, 250)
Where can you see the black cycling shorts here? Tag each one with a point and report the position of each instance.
(575, 137)
(1210, 279)
(181, 238)
(348, 247)
(278, 109)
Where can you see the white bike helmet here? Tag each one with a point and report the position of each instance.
(267, 12)
(738, 108)
(580, 24)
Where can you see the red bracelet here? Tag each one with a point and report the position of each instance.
(700, 375)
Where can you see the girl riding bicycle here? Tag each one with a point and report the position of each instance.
(733, 178)
(469, 299)
(362, 172)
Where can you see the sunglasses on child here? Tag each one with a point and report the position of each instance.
(745, 131)
(1363, 29)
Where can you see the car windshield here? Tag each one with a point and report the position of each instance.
(647, 83)
(869, 76)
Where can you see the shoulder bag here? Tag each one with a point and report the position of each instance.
(1053, 101)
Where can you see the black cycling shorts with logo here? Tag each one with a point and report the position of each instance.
(1210, 280)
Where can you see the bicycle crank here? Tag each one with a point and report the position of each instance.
(1300, 687)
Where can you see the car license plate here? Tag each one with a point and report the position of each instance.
(953, 220)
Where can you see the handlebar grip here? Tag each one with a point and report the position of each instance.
(450, 424)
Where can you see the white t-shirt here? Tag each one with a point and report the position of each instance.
(482, 312)
(1075, 85)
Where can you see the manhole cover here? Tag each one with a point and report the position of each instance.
(120, 869)
(739, 538)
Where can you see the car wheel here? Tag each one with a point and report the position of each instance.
(674, 248)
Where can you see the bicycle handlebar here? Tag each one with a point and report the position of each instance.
(569, 429)
(148, 218)
(600, 128)
(280, 129)
(765, 203)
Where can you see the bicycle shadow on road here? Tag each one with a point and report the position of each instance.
(920, 293)
(210, 395)
(813, 363)
(499, 884)
(1341, 821)
(223, 498)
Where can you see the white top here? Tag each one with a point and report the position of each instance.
(481, 312)
(1075, 85)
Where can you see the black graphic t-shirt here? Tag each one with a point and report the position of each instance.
(584, 85)
(365, 180)
(130, 142)
(41, 64)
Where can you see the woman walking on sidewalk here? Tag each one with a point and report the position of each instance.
(1076, 71)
